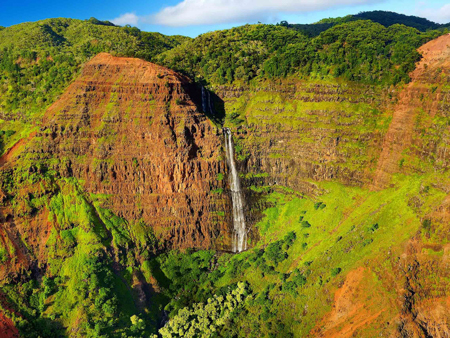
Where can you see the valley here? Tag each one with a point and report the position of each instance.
(253, 182)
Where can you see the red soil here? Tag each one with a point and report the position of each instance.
(399, 135)
(350, 310)
(6, 157)
(7, 328)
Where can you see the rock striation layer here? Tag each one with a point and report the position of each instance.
(130, 130)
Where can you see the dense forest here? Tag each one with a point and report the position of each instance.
(361, 50)
(382, 17)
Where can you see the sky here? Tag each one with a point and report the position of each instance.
(194, 17)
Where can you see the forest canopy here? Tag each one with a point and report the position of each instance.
(360, 50)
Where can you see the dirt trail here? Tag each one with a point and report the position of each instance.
(436, 53)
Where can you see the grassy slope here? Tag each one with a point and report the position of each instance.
(357, 227)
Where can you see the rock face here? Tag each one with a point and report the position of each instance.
(416, 133)
(300, 132)
(130, 130)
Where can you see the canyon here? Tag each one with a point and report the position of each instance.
(136, 166)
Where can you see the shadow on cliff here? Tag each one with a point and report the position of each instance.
(207, 102)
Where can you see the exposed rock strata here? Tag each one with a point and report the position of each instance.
(129, 129)
(301, 132)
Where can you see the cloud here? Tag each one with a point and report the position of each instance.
(440, 15)
(206, 12)
(126, 19)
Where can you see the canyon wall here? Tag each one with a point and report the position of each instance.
(133, 137)
(130, 129)
(131, 134)
(297, 132)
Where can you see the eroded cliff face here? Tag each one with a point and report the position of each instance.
(418, 137)
(131, 135)
(298, 132)
(129, 129)
(130, 132)
(301, 132)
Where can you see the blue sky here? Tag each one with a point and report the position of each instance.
(193, 17)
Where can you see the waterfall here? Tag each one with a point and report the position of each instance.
(209, 104)
(206, 102)
(204, 99)
(240, 233)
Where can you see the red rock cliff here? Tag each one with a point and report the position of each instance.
(129, 129)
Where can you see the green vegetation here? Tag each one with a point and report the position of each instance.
(39, 59)
(360, 50)
(205, 320)
(5, 135)
(384, 18)
(81, 289)
(258, 292)
(100, 275)
(225, 56)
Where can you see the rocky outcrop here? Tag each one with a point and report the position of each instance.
(130, 130)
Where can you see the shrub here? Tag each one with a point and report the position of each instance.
(306, 224)
(290, 287)
(426, 224)
(335, 272)
(319, 205)
(275, 253)
(290, 238)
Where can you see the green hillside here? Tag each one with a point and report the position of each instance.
(384, 18)
(361, 51)
(39, 59)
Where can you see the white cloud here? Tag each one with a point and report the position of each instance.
(441, 15)
(126, 19)
(205, 12)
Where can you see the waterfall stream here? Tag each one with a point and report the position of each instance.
(206, 102)
(240, 232)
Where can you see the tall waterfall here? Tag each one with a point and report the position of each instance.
(240, 232)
